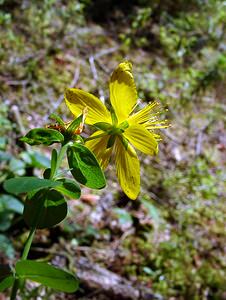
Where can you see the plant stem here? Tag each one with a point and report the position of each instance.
(28, 244)
(15, 289)
(29, 240)
(23, 257)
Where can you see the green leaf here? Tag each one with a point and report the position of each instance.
(57, 119)
(47, 275)
(148, 271)
(3, 142)
(6, 246)
(17, 166)
(8, 206)
(152, 211)
(43, 136)
(39, 160)
(27, 184)
(51, 205)
(123, 216)
(5, 221)
(10, 203)
(6, 283)
(84, 167)
(69, 188)
(4, 156)
(35, 159)
(53, 161)
(74, 125)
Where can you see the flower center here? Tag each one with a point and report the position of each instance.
(112, 129)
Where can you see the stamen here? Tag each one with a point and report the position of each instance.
(135, 105)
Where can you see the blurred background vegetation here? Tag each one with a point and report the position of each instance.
(172, 239)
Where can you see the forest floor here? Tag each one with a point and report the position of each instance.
(168, 244)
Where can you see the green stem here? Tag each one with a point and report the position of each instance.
(29, 240)
(28, 244)
(15, 289)
(23, 257)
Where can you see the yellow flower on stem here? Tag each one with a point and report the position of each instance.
(120, 130)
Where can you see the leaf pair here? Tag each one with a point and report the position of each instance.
(83, 164)
(45, 206)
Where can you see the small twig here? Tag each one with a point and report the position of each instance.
(172, 137)
(21, 60)
(17, 82)
(105, 52)
(95, 76)
(198, 148)
(73, 83)
(103, 67)
(93, 68)
(17, 115)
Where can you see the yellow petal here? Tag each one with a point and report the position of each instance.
(123, 93)
(99, 147)
(128, 169)
(141, 139)
(77, 100)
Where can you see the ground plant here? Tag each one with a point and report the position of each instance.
(169, 243)
(118, 131)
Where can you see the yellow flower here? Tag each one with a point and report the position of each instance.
(119, 130)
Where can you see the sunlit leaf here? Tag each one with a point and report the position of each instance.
(6, 283)
(43, 136)
(27, 184)
(84, 167)
(69, 188)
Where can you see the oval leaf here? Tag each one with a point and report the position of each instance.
(47, 275)
(6, 283)
(27, 184)
(84, 167)
(43, 136)
(50, 204)
(57, 119)
(74, 125)
(10, 203)
(6, 246)
(69, 188)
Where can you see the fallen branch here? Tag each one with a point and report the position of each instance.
(99, 280)
(96, 277)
